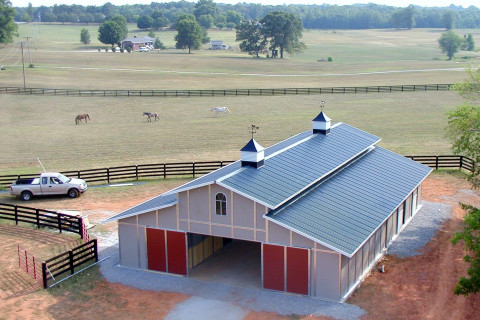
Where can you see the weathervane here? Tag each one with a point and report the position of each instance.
(253, 129)
(322, 104)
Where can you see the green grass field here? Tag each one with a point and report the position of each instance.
(43, 127)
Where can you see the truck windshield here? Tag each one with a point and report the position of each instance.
(62, 178)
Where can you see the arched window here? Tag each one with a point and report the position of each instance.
(220, 204)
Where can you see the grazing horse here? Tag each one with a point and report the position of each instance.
(81, 117)
(220, 110)
(151, 115)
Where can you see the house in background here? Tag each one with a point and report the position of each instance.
(317, 210)
(218, 45)
(137, 42)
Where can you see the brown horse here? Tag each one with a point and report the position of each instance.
(81, 117)
(151, 115)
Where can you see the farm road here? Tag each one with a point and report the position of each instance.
(266, 75)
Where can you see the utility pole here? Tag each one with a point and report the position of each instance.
(23, 64)
(29, 55)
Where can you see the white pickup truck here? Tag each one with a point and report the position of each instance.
(49, 183)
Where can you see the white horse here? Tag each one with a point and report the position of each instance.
(220, 110)
(151, 115)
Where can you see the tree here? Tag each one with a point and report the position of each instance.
(158, 44)
(110, 32)
(233, 16)
(8, 27)
(449, 43)
(471, 238)
(251, 37)
(284, 30)
(189, 35)
(448, 20)
(468, 42)
(205, 21)
(84, 36)
(144, 22)
(159, 20)
(404, 18)
(205, 7)
(463, 127)
(122, 23)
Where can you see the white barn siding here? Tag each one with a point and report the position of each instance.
(327, 275)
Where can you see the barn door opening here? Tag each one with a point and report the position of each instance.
(167, 251)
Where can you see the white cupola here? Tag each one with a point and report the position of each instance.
(321, 124)
(252, 154)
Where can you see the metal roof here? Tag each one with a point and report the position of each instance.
(159, 202)
(237, 165)
(287, 173)
(252, 146)
(343, 211)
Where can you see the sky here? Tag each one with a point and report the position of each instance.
(395, 3)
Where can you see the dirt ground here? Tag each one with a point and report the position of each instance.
(418, 287)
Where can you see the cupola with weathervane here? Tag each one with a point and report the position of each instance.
(321, 124)
(252, 154)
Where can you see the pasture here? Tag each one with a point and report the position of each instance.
(44, 127)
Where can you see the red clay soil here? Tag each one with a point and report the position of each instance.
(419, 287)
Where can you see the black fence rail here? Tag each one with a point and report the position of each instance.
(42, 218)
(69, 262)
(133, 172)
(446, 161)
(222, 92)
(193, 169)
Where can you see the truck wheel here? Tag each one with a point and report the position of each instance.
(73, 193)
(26, 195)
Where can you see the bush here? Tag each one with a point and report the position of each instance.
(129, 49)
(330, 59)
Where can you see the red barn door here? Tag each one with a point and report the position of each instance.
(156, 253)
(297, 270)
(177, 252)
(273, 267)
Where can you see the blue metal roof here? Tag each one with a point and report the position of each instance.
(159, 202)
(253, 146)
(342, 212)
(287, 173)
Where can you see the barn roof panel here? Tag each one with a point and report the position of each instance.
(342, 213)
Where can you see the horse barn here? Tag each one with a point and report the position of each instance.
(310, 215)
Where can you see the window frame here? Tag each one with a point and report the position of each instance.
(220, 204)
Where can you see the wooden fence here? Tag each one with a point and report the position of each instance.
(133, 172)
(69, 262)
(223, 93)
(192, 169)
(451, 162)
(48, 272)
(43, 218)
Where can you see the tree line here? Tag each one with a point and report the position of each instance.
(359, 16)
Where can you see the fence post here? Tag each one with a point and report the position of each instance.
(136, 172)
(44, 275)
(193, 169)
(59, 222)
(108, 175)
(70, 258)
(16, 215)
(38, 217)
(164, 171)
(461, 162)
(81, 227)
(95, 250)
(436, 162)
